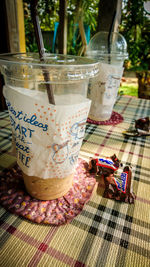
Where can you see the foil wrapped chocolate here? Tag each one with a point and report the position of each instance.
(117, 184)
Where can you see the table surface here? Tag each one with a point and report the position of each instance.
(106, 232)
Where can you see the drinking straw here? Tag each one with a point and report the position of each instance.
(41, 50)
(109, 35)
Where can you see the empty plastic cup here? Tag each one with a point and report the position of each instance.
(110, 51)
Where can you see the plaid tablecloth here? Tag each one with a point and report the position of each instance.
(106, 233)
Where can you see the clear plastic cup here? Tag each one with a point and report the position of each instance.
(47, 137)
(110, 51)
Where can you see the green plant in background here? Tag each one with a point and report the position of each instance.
(135, 27)
(128, 89)
(49, 14)
(88, 10)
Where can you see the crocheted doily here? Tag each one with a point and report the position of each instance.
(115, 118)
(14, 197)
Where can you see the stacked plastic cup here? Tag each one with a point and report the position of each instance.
(47, 137)
(111, 51)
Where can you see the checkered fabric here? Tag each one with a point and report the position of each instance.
(106, 233)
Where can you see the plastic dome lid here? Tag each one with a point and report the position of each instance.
(60, 67)
(102, 44)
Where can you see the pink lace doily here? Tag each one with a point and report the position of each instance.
(115, 118)
(13, 197)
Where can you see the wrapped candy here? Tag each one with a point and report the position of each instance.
(117, 186)
(142, 128)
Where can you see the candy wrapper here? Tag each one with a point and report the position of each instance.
(117, 184)
(141, 128)
(47, 137)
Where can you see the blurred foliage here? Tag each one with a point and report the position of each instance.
(48, 14)
(135, 27)
(48, 11)
(128, 89)
(88, 10)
